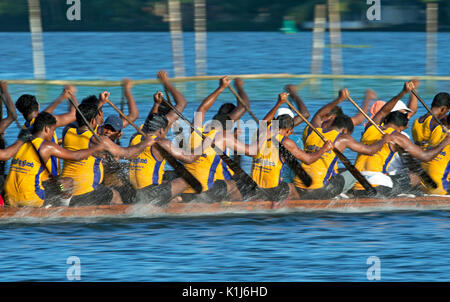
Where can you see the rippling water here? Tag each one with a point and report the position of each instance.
(282, 246)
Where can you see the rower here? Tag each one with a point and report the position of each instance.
(29, 107)
(375, 168)
(210, 168)
(327, 183)
(88, 174)
(24, 185)
(426, 131)
(268, 163)
(439, 170)
(146, 170)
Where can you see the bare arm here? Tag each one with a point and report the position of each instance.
(307, 158)
(230, 141)
(180, 154)
(51, 149)
(127, 152)
(282, 97)
(320, 116)
(387, 108)
(417, 152)
(239, 111)
(65, 118)
(300, 105)
(210, 99)
(180, 101)
(359, 117)
(412, 104)
(12, 114)
(10, 151)
(133, 112)
(347, 141)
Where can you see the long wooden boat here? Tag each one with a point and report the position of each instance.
(145, 210)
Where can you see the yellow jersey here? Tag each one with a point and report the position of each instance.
(322, 170)
(378, 162)
(23, 185)
(209, 167)
(268, 164)
(145, 169)
(425, 133)
(439, 171)
(55, 165)
(87, 174)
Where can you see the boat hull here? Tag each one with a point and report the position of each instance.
(416, 203)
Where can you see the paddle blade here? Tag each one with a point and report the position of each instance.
(415, 167)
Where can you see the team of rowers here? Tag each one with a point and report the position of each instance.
(92, 174)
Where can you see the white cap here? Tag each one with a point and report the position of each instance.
(400, 106)
(282, 111)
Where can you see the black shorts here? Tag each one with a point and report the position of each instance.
(278, 193)
(330, 190)
(101, 195)
(217, 193)
(155, 194)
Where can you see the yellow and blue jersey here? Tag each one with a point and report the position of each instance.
(322, 170)
(23, 185)
(145, 169)
(87, 174)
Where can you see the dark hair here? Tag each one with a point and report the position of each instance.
(335, 111)
(92, 99)
(27, 104)
(397, 118)
(154, 122)
(89, 111)
(164, 109)
(286, 121)
(41, 121)
(226, 108)
(441, 99)
(222, 119)
(343, 121)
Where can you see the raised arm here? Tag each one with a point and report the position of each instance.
(282, 97)
(300, 105)
(210, 99)
(239, 111)
(359, 117)
(387, 108)
(320, 116)
(180, 101)
(12, 114)
(65, 118)
(307, 158)
(133, 112)
(412, 104)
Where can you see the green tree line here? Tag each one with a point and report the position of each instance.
(151, 15)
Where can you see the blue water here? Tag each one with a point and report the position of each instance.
(298, 246)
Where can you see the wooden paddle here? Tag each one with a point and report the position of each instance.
(429, 110)
(179, 168)
(290, 159)
(350, 167)
(412, 165)
(239, 172)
